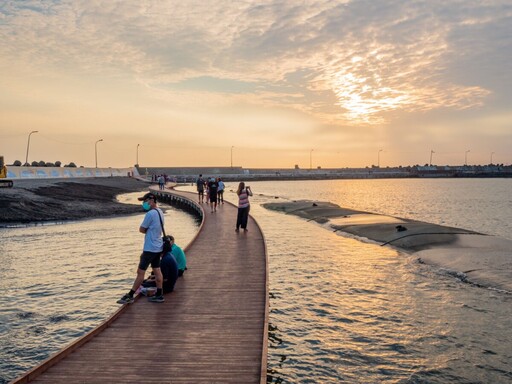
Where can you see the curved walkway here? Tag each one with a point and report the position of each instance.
(211, 329)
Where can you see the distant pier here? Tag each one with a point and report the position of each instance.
(190, 174)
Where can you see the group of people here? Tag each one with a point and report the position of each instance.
(214, 190)
(161, 180)
(166, 267)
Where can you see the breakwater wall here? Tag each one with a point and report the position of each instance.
(190, 174)
(15, 172)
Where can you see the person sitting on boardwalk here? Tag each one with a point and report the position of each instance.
(200, 188)
(180, 257)
(169, 268)
(151, 227)
(243, 193)
(220, 191)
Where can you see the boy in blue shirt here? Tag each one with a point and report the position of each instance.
(180, 257)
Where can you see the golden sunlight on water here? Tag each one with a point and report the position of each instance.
(341, 310)
(59, 281)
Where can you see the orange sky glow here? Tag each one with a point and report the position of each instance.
(263, 84)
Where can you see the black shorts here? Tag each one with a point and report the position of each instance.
(147, 258)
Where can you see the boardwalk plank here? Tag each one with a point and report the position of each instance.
(212, 329)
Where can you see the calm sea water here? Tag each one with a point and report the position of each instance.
(60, 281)
(341, 310)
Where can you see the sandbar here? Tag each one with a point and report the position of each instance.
(474, 257)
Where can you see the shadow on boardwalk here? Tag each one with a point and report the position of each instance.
(211, 329)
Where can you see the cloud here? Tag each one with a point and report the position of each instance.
(352, 62)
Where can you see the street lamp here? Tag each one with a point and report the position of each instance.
(137, 158)
(96, 151)
(492, 153)
(311, 159)
(466, 157)
(378, 158)
(28, 145)
(232, 156)
(431, 152)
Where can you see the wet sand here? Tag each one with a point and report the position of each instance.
(474, 257)
(55, 200)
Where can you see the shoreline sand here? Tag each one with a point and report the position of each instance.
(476, 258)
(55, 200)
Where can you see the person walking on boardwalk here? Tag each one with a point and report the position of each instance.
(243, 193)
(161, 182)
(212, 193)
(200, 188)
(220, 191)
(151, 227)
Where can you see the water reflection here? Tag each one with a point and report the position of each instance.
(59, 281)
(346, 311)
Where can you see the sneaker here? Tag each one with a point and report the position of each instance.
(126, 299)
(157, 299)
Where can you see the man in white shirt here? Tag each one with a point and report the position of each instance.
(151, 227)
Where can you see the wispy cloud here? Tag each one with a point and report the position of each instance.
(341, 62)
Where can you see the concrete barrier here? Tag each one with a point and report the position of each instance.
(14, 172)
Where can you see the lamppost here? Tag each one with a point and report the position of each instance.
(28, 145)
(311, 159)
(492, 153)
(232, 156)
(466, 157)
(96, 151)
(378, 158)
(137, 158)
(431, 152)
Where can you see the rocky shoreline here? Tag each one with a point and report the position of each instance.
(54, 200)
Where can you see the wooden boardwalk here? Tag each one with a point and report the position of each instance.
(211, 329)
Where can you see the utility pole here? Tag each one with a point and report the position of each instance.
(28, 145)
(96, 151)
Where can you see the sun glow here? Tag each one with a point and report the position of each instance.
(364, 98)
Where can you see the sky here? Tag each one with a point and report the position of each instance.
(256, 84)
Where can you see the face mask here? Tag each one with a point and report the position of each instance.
(146, 206)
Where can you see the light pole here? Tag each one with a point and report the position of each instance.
(28, 145)
(232, 156)
(96, 151)
(431, 152)
(137, 158)
(466, 157)
(378, 158)
(492, 153)
(311, 159)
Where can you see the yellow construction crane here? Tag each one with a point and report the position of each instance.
(4, 182)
